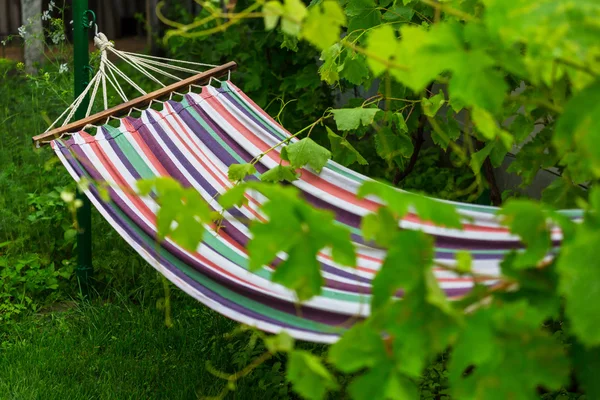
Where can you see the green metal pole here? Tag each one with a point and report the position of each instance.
(81, 67)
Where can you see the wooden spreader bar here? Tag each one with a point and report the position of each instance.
(137, 102)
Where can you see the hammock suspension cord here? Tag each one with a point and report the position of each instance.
(108, 74)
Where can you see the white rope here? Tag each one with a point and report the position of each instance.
(116, 85)
(172, 60)
(165, 65)
(134, 65)
(125, 77)
(143, 63)
(108, 74)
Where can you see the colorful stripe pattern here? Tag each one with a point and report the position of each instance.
(194, 141)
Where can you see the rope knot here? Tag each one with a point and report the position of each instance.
(101, 41)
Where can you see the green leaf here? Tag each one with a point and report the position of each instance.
(586, 362)
(400, 123)
(389, 145)
(464, 262)
(182, 211)
(308, 375)
(399, 13)
(563, 194)
(528, 220)
(294, 12)
(343, 151)
(280, 173)
(234, 196)
(423, 54)
(301, 231)
(403, 266)
(272, 10)
(579, 277)
(348, 119)
(237, 172)
(475, 83)
(360, 347)
(381, 227)
(381, 41)
(282, 342)
(357, 7)
(355, 70)
(367, 19)
(485, 123)
(432, 104)
(323, 24)
(301, 271)
(383, 382)
(329, 71)
(511, 353)
(578, 130)
(308, 152)
(438, 212)
(479, 158)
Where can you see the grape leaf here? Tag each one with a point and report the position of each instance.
(403, 266)
(308, 152)
(381, 227)
(479, 157)
(301, 231)
(579, 276)
(301, 271)
(381, 41)
(355, 70)
(234, 196)
(237, 172)
(347, 119)
(563, 194)
(280, 173)
(182, 211)
(389, 145)
(475, 83)
(529, 221)
(431, 105)
(502, 343)
(423, 54)
(383, 382)
(357, 7)
(464, 262)
(282, 342)
(308, 375)
(586, 362)
(343, 151)
(399, 13)
(485, 123)
(294, 12)
(367, 19)
(323, 24)
(440, 213)
(360, 347)
(329, 71)
(272, 10)
(578, 129)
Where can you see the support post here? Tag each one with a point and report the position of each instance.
(81, 67)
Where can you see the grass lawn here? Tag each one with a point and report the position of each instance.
(124, 351)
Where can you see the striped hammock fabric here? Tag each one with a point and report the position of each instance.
(195, 141)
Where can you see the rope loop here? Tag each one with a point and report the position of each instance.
(102, 42)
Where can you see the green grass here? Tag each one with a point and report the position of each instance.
(124, 351)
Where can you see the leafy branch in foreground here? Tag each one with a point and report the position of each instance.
(482, 79)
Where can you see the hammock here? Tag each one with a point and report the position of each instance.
(194, 141)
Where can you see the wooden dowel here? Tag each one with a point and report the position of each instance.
(137, 102)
